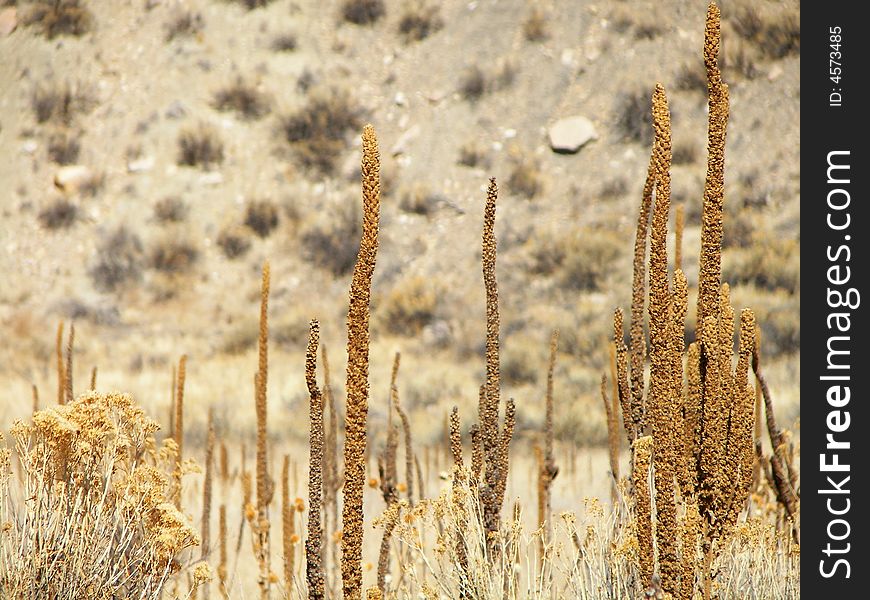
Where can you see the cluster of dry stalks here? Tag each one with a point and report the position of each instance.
(91, 507)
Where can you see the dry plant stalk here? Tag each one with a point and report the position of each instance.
(93, 378)
(358, 372)
(207, 493)
(547, 470)
(260, 528)
(612, 440)
(406, 431)
(61, 375)
(314, 543)
(288, 525)
(68, 371)
(35, 395)
(331, 480)
(679, 224)
(222, 560)
(178, 431)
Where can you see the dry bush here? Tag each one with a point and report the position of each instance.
(580, 260)
(685, 152)
(419, 22)
(59, 214)
(770, 262)
(233, 242)
(285, 42)
(419, 200)
(333, 244)
(691, 78)
(118, 260)
(317, 132)
(775, 33)
(184, 23)
(525, 178)
(535, 26)
(633, 118)
(261, 217)
(614, 188)
(172, 255)
(410, 306)
(472, 155)
(200, 147)
(243, 98)
(171, 209)
(61, 538)
(775, 311)
(252, 4)
(472, 85)
(362, 12)
(63, 147)
(59, 17)
(59, 103)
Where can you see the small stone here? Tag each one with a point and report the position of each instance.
(140, 165)
(71, 178)
(212, 178)
(568, 135)
(176, 110)
(401, 145)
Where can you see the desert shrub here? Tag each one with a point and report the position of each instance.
(685, 152)
(72, 458)
(333, 243)
(535, 26)
(172, 255)
(317, 131)
(59, 17)
(171, 209)
(252, 4)
(59, 214)
(691, 78)
(648, 30)
(580, 260)
(775, 33)
(184, 23)
(63, 148)
(616, 187)
(200, 147)
(261, 216)
(118, 260)
(525, 178)
(518, 363)
(285, 42)
(59, 103)
(770, 262)
(419, 200)
(472, 84)
(362, 12)
(776, 313)
(410, 306)
(234, 242)
(471, 155)
(243, 98)
(633, 117)
(419, 22)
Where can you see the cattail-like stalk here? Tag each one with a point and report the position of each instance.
(288, 524)
(489, 424)
(224, 464)
(314, 543)
(710, 270)
(391, 519)
(61, 375)
(476, 451)
(455, 439)
(93, 378)
(458, 480)
(207, 493)
(503, 464)
(643, 448)
(358, 372)
(264, 483)
(661, 408)
(622, 383)
(68, 371)
(35, 395)
(331, 480)
(178, 431)
(172, 405)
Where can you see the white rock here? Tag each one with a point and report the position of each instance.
(212, 178)
(568, 135)
(140, 165)
(71, 178)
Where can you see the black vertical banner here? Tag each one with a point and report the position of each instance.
(835, 380)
